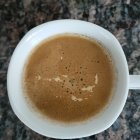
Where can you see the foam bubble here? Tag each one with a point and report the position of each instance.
(57, 79)
(65, 76)
(96, 79)
(88, 88)
(74, 98)
(38, 77)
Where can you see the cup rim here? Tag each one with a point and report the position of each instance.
(31, 32)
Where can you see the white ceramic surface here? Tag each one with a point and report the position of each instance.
(56, 130)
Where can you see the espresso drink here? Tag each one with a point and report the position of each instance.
(69, 78)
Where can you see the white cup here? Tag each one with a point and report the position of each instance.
(48, 128)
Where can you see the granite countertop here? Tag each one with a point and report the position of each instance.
(121, 17)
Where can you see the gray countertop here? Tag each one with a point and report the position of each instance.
(121, 17)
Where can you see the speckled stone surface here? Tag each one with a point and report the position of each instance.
(122, 18)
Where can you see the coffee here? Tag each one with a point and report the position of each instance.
(69, 78)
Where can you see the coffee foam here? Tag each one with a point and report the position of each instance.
(65, 82)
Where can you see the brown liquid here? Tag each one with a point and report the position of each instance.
(69, 78)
